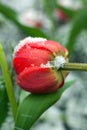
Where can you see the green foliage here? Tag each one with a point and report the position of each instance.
(31, 31)
(84, 2)
(49, 7)
(34, 105)
(3, 101)
(8, 12)
(79, 23)
(14, 17)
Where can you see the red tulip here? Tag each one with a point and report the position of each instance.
(32, 63)
(61, 15)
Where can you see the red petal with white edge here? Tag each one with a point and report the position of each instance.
(49, 45)
(28, 57)
(39, 80)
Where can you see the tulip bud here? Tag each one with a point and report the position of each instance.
(35, 63)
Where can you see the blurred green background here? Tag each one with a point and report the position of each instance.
(64, 21)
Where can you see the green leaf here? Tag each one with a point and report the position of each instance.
(34, 105)
(49, 8)
(31, 31)
(12, 15)
(84, 2)
(79, 23)
(3, 101)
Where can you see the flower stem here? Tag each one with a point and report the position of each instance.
(8, 82)
(75, 66)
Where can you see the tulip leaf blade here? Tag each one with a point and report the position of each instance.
(34, 105)
(14, 16)
(79, 24)
(3, 101)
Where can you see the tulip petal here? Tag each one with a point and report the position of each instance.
(40, 80)
(28, 57)
(49, 45)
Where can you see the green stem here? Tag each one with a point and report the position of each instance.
(75, 67)
(7, 77)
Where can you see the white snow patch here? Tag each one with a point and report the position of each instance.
(48, 65)
(57, 63)
(28, 40)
